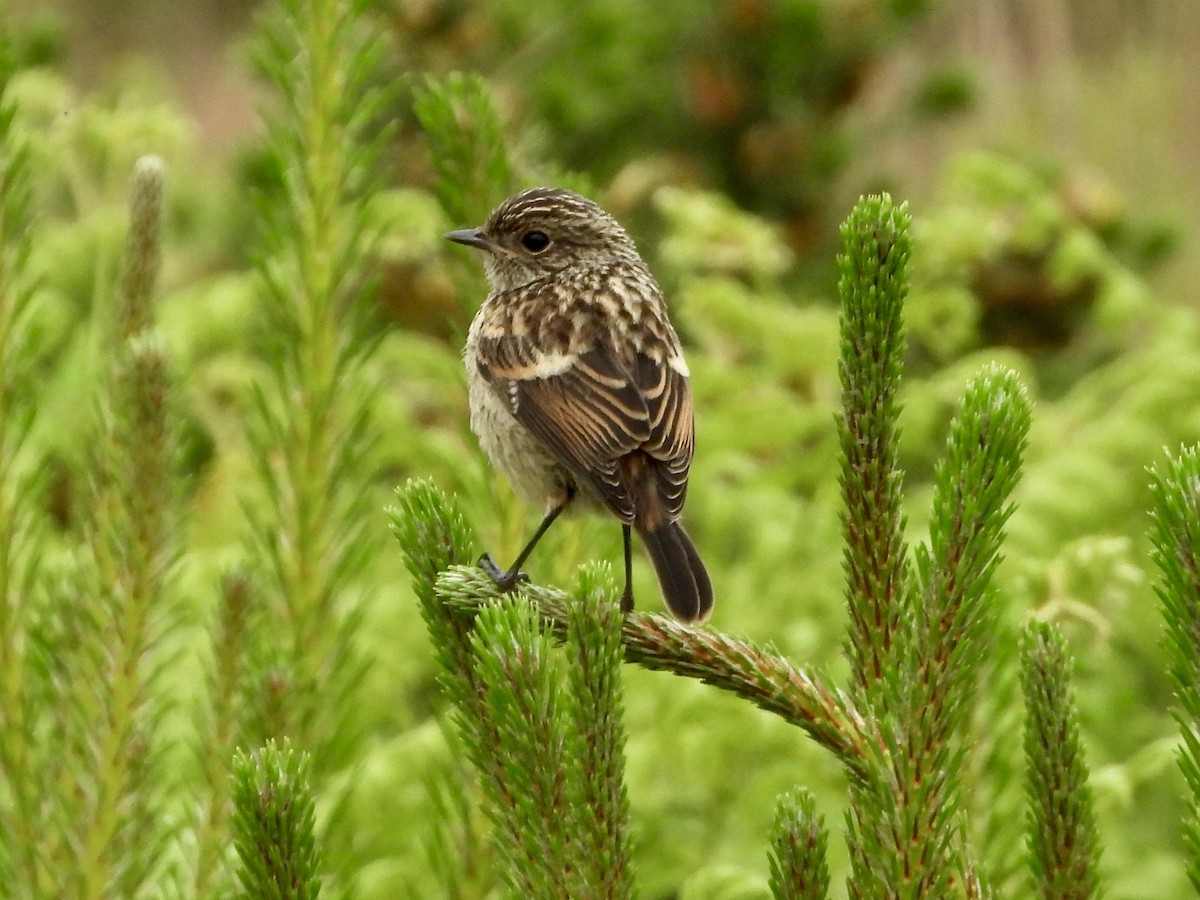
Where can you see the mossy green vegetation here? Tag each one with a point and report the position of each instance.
(213, 376)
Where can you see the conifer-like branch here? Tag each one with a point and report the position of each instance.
(21, 842)
(467, 145)
(548, 749)
(470, 158)
(916, 640)
(872, 287)
(143, 249)
(220, 728)
(1175, 494)
(973, 484)
(274, 825)
(434, 535)
(660, 644)
(945, 638)
(312, 531)
(1063, 843)
(596, 738)
(799, 842)
(526, 782)
(132, 541)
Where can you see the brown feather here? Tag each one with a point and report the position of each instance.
(590, 410)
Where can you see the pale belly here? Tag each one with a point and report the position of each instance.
(536, 477)
(534, 474)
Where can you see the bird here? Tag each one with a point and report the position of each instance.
(577, 385)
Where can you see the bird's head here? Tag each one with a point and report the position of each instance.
(542, 232)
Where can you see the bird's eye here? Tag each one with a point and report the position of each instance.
(535, 241)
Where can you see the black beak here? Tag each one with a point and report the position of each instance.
(471, 237)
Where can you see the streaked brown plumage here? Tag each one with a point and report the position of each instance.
(577, 383)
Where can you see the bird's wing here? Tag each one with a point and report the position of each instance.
(668, 398)
(590, 410)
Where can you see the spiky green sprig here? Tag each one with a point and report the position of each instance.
(116, 702)
(1063, 842)
(1175, 533)
(20, 815)
(466, 145)
(596, 736)
(661, 644)
(798, 854)
(274, 824)
(915, 633)
(312, 532)
(526, 777)
(872, 288)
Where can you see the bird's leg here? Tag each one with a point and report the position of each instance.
(506, 581)
(627, 597)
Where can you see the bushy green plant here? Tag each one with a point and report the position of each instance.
(1011, 257)
(212, 653)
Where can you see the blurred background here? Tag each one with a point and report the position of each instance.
(789, 107)
(1049, 151)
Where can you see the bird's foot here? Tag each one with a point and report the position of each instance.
(627, 601)
(505, 579)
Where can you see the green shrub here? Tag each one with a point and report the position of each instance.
(207, 395)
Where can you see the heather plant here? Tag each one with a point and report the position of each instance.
(129, 802)
(1176, 537)
(216, 680)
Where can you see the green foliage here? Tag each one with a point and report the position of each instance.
(314, 411)
(471, 161)
(143, 251)
(19, 815)
(1176, 537)
(467, 146)
(798, 849)
(519, 748)
(111, 682)
(548, 748)
(131, 546)
(873, 285)
(85, 658)
(1021, 257)
(1063, 842)
(707, 234)
(973, 484)
(99, 603)
(219, 724)
(312, 428)
(595, 742)
(917, 639)
(274, 824)
(434, 536)
(750, 94)
(306, 628)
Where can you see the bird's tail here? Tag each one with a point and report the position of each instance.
(685, 584)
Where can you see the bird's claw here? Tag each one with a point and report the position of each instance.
(505, 580)
(626, 602)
